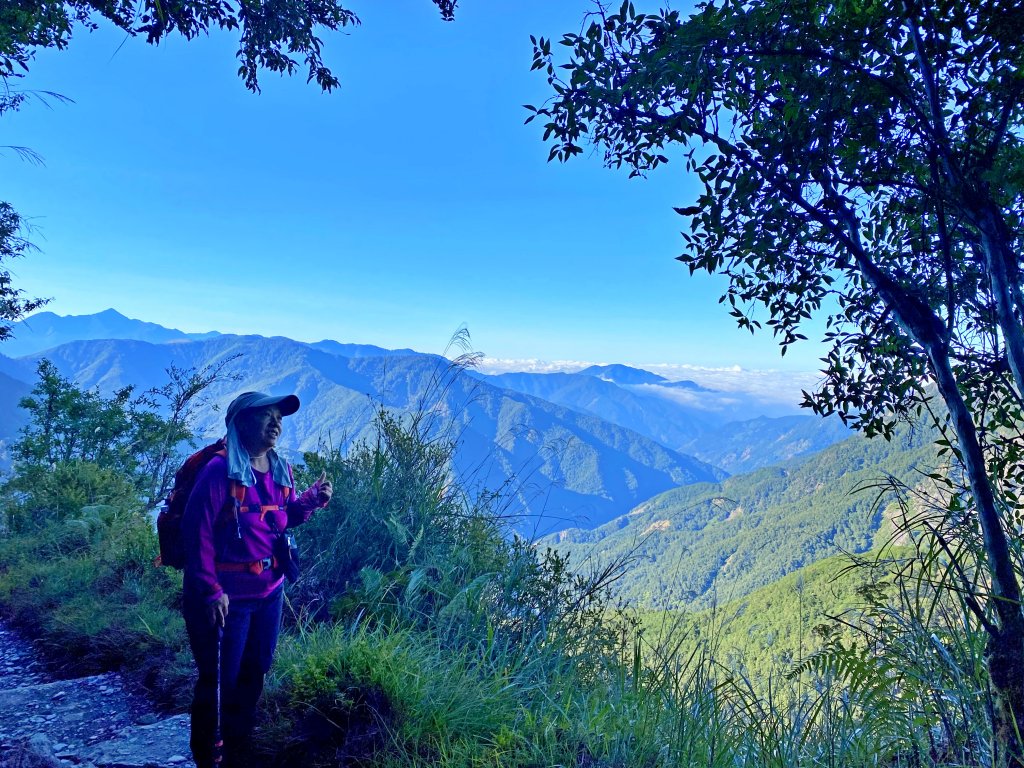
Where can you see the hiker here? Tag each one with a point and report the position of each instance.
(236, 557)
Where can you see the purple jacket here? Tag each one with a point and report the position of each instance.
(211, 535)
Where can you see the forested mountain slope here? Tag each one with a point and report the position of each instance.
(710, 424)
(715, 542)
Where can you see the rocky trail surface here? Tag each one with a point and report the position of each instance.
(89, 722)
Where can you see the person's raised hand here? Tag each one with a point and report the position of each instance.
(324, 490)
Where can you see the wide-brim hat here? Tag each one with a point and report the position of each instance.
(288, 404)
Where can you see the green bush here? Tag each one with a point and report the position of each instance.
(38, 495)
(399, 538)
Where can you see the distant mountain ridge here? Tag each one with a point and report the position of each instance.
(585, 446)
(651, 405)
(572, 468)
(45, 330)
(629, 376)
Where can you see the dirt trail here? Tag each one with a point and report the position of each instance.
(89, 722)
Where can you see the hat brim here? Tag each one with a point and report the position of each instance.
(287, 404)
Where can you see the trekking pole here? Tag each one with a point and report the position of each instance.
(218, 738)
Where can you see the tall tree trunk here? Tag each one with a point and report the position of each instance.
(1005, 649)
(1000, 264)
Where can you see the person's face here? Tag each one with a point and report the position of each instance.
(260, 428)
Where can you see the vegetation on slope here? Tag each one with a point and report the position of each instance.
(711, 543)
(763, 634)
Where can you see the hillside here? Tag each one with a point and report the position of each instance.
(681, 415)
(12, 418)
(766, 631)
(743, 446)
(711, 543)
(564, 467)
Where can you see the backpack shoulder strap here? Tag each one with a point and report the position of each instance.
(287, 490)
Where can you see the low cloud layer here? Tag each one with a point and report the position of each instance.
(779, 390)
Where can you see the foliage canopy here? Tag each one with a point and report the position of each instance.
(860, 159)
(274, 34)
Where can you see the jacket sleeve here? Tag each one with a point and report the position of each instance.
(302, 507)
(197, 527)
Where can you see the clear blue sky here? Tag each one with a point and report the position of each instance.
(406, 204)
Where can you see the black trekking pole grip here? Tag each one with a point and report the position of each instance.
(218, 738)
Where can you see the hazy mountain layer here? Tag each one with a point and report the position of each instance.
(743, 446)
(45, 330)
(649, 404)
(566, 467)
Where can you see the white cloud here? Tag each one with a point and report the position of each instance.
(779, 390)
(494, 365)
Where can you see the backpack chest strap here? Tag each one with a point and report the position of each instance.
(237, 493)
(261, 509)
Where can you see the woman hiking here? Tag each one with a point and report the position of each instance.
(236, 560)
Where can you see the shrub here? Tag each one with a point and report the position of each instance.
(38, 495)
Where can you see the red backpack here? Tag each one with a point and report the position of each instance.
(168, 522)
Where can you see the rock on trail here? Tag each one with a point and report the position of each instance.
(90, 722)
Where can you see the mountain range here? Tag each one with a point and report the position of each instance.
(682, 415)
(566, 466)
(609, 461)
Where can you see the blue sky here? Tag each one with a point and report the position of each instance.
(408, 203)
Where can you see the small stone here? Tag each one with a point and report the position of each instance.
(149, 719)
(176, 759)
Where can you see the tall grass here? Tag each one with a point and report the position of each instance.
(86, 590)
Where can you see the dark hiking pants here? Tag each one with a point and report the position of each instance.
(247, 650)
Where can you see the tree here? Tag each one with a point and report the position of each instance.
(13, 244)
(122, 446)
(274, 34)
(860, 159)
(180, 399)
(69, 424)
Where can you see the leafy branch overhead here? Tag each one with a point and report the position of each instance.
(275, 35)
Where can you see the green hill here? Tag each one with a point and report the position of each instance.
(711, 543)
(767, 631)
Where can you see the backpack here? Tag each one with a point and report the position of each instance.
(168, 521)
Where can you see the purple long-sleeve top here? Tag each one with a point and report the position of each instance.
(211, 535)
